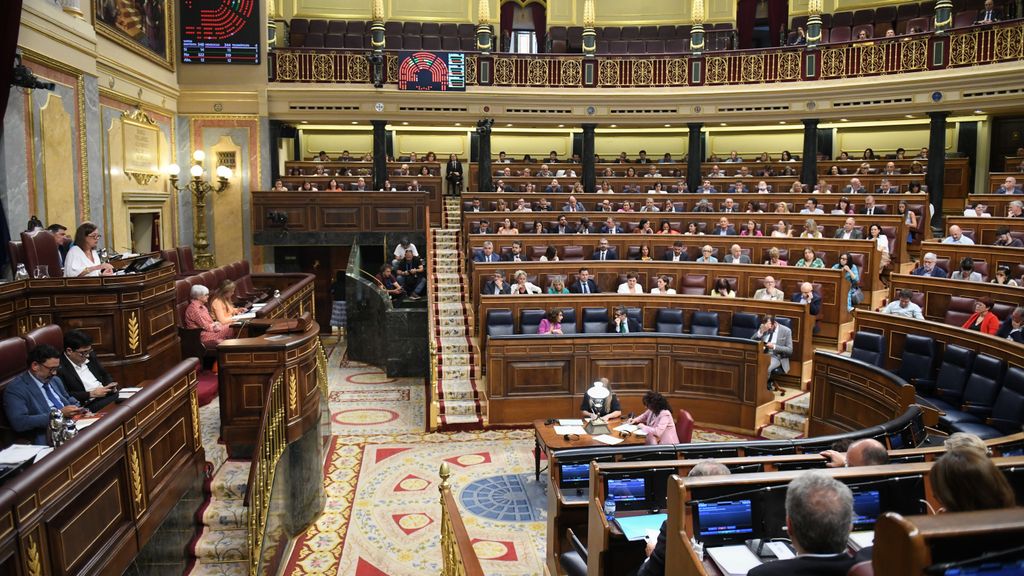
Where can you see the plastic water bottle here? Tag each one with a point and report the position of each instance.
(609, 508)
(21, 273)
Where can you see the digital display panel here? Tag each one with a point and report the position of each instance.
(220, 31)
(730, 517)
(575, 475)
(432, 71)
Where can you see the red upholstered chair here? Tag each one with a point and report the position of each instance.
(16, 254)
(41, 250)
(13, 361)
(187, 262)
(297, 32)
(49, 334)
(219, 276)
(171, 255)
(839, 34)
(684, 426)
(861, 569)
(959, 310)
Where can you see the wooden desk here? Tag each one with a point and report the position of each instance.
(983, 230)
(934, 294)
(13, 309)
(320, 216)
(431, 186)
(849, 395)
(245, 367)
(545, 440)
(994, 256)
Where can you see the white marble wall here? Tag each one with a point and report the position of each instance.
(183, 134)
(14, 175)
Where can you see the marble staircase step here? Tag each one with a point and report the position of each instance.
(772, 432)
(790, 420)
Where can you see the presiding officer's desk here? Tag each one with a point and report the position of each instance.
(91, 505)
(246, 365)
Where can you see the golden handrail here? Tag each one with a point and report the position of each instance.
(457, 555)
(270, 444)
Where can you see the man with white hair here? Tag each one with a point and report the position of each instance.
(956, 236)
(928, 267)
(854, 187)
(1009, 187)
(1015, 209)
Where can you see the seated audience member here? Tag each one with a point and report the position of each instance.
(604, 251)
(222, 303)
(654, 564)
(706, 187)
(557, 285)
(388, 282)
(751, 229)
(778, 343)
(769, 292)
(1003, 277)
(197, 316)
(811, 230)
(1015, 209)
(855, 186)
(414, 186)
(724, 228)
(978, 210)
(810, 260)
(956, 236)
(662, 286)
(82, 374)
(630, 286)
(610, 226)
(649, 206)
(474, 206)
(543, 205)
(864, 452)
(487, 255)
(60, 236)
(550, 255)
(849, 231)
(29, 398)
(983, 320)
(890, 169)
(563, 226)
(807, 296)
(322, 157)
(82, 258)
(573, 206)
(752, 208)
(621, 323)
(524, 286)
(775, 257)
(811, 207)
(736, 255)
(903, 306)
(412, 275)
(819, 517)
(702, 206)
(656, 421)
(722, 289)
(551, 324)
(886, 187)
(928, 267)
(584, 283)
(644, 227)
(523, 206)
(360, 185)
(609, 410)
(734, 157)
(677, 253)
(279, 186)
(692, 230)
(553, 187)
(881, 244)
(1009, 186)
(966, 271)
(706, 256)
(643, 159)
(1013, 327)
(870, 208)
(403, 245)
(1003, 238)
(964, 480)
(517, 254)
(965, 441)
(496, 285)
(843, 207)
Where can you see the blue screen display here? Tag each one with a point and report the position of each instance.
(867, 505)
(627, 490)
(726, 517)
(1011, 568)
(575, 475)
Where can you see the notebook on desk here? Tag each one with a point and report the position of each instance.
(734, 560)
(636, 527)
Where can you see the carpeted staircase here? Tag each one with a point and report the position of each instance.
(790, 422)
(460, 402)
(221, 549)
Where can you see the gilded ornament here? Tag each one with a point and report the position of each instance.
(676, 69)
(134, 333)
(717, 70)
(504, 71)
(538, 72)
(293, 391)
(135, 465)
(323, 68)
(643, 73)
(287, 66)
(194, 405)
(571, 72)
(789, 66)
(33, 562)
(608, 73)
(752, 68)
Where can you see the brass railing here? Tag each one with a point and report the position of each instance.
(270, 444)
(457, 555)
(877, 57)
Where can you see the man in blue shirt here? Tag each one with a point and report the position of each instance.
(29, 398)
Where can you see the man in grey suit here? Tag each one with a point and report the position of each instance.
(736, 255)
(778, 342)
(29, 398)
(849, 231)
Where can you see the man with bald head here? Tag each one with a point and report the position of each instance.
(865, 452)
(807, 297)
(956, 236)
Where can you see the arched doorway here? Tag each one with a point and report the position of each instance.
(524, 26)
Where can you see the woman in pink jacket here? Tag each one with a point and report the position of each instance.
(657, 421)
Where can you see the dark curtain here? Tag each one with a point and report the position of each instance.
(539, 25)
(778, 11)
(507, 15)
(746, 12)
(10, 12)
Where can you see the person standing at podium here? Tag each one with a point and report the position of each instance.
(657, 420)
(82, 258)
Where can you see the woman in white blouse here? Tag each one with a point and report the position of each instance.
(630, 286)
(82, 259)
(524, 286)
(662, 286)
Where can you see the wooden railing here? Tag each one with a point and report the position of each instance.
(958, 48)
(457, 554)
(271, 442)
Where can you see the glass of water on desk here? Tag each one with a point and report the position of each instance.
(42, 271)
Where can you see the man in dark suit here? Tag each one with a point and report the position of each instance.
(677, 253)
(475, 206)
(573, 206)
(819, 516)
(807, 296)
(849, 231)
(487, 255)
(82, 374)
(854, 187)
(453, 174)
(886, 187)
(928, 267)
(723, 228)
(870, 208)
(517, 254)
(496, 285)
(988, 14)
(360, 185)
(563, 226)
(1013, 327)
(621, 323)
(584, 284)
(584, 227)
(60, 234)
(554, 187)
(29, 398)
(604, 252)
(610, 227)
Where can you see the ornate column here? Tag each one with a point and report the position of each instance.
(814, 23)
(271, 23)
(73, 7)
(484, 43)
(694, 155)
(943, 16)
(380, 153)
(697, 28)
(936, 162)
(589, 34)
(377, 43)
(589, 171)
(483, 173)
(809, 172)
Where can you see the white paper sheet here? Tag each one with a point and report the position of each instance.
(18, 453)
(606, 439)
(563, 430)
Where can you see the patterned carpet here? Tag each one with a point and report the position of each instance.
(381, 477)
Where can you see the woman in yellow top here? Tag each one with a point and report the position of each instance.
(222, 303)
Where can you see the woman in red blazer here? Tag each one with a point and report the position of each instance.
(983, 320)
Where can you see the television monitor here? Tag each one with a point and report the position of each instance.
(702, 453)
(628, 490)
(1004, 562)
(726, 521)
(1015, 476)
(989, 568)
(901, 494)
(1011, 449)
(867, 505)
(657, 486)
(573, 475)
(917, 429)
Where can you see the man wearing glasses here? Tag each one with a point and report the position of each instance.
(82, 375)
(29, 398)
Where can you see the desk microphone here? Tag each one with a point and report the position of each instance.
(550, 421)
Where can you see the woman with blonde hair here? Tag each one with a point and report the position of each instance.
(222, 303)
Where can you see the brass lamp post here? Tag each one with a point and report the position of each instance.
(200, 188)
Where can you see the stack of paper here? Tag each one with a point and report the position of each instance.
(18, 453)
(736, 559)
(606, 439)
(563, 430)
(125, 393)
(244, 316)
(570, 422)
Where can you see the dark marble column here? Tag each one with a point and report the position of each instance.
(380, 154)
(483, 173)
(936, 162)
(809, 173)
(589, 172)
(695, 154)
